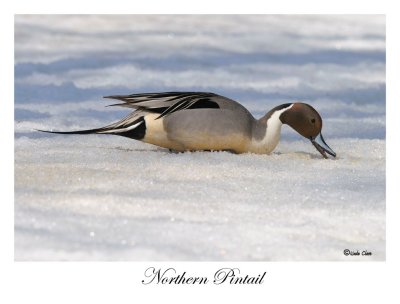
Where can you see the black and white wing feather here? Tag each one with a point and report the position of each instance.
(170, 102)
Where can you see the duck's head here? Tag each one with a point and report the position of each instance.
(307, 122)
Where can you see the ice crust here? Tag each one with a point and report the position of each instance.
(110, 198)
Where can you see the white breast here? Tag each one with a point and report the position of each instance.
(272, 136)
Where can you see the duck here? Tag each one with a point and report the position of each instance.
(203, 121)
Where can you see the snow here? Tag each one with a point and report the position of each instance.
(105, 197)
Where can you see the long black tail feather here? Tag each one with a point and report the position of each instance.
(91, 131)
(135, 129)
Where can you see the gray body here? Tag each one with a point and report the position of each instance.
(229, 127)
(209, 129)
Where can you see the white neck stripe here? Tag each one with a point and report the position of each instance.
(272, 134)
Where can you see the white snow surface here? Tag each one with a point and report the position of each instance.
(102, 197)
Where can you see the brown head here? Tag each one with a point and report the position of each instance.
(304, 119)
(307, 122)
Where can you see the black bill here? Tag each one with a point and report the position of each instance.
(322, 147)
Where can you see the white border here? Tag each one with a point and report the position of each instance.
(337, 282)
(200, 7)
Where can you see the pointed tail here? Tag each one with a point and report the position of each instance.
(91, 131)
(132, 126)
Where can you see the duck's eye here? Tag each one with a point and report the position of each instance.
(312, 120)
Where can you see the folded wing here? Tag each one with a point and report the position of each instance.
(170, 102)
